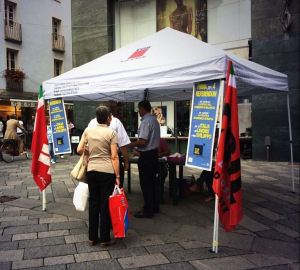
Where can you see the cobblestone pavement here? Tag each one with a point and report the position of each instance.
(179, 237)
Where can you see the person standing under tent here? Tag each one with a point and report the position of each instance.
(207, 177)
(123, 141)
(71, 128)
(50, 141)
(148, 145)
(100, 144)
(163, 152)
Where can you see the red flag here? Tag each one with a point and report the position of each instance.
(227, 178)
(40, 165)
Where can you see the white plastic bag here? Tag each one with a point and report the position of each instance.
(81, 196)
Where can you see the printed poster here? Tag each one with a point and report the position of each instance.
(58, 122)
(203, 120)
(187, 16)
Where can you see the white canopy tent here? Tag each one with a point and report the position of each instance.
(169, 63)
(166, 64)
(161, 67)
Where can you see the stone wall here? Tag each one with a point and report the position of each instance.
(92, 25)
(274, 48)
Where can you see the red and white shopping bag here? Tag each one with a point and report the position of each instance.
(118, 207)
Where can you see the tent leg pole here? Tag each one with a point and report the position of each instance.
(44, 200)
(291, 141)
(175, 127)
(216, 227)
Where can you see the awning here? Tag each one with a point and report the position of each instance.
(32, 103)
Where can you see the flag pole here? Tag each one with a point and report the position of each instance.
(44, 201)
(215, 243)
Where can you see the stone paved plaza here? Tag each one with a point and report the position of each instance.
(179, 237)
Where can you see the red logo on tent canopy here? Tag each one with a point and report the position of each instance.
(139, 53)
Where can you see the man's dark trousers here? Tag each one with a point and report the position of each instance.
(148, 168)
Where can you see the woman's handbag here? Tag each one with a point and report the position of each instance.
(79, 171)
(118, 208)
(81, 195)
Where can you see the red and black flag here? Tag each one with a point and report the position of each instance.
(227, 177)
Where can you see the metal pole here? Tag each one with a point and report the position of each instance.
(44, 200)
(291, 141)
(215, 243)
(175, 127)
(216, 226)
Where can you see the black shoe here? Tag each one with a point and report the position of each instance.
(142, 214)
(93, 242)
(107, 243)
(156, 210)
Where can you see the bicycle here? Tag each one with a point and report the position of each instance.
(10, 150)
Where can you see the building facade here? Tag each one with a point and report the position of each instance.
(35, 45)
(236, 26)
(275, 44)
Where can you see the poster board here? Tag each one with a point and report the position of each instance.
(203, 120)
(59, 126)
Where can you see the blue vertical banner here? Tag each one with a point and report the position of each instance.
(203, 119)
(59, 125)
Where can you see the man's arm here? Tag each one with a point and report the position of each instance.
(123, 139)
(124, 152)
(139, 143)
(115, 162)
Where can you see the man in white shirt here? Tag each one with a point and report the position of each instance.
(123, 141)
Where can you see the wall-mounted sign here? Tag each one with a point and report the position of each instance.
(58, 122)
(204, 113)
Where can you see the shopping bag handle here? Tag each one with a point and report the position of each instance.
(117, 190)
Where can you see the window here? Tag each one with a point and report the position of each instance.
(57, 67)
(55, 28)
(10, 12)
(11, 59)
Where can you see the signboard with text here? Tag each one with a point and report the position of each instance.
(203, 119)
(59, 126)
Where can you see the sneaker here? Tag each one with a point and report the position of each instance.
(52, 161)
(62, 156)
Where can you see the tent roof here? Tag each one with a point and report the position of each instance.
(166, 63)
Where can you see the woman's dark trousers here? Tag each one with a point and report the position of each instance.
(101, 186)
